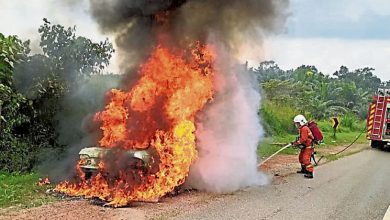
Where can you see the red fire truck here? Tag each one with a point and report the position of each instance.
(378, 120)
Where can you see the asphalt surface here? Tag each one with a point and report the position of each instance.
(355, 187)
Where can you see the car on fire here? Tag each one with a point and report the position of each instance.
(91, 157)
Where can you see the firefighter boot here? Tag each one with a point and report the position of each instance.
(303, 170)
(309, 175)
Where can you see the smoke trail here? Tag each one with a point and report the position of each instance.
(228, 131)
(138, 24)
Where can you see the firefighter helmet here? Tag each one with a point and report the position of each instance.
(300, 119)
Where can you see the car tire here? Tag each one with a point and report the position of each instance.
(88, 175)
(378, 144)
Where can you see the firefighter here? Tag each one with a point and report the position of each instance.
(305, 143)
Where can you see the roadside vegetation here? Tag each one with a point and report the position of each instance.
(37, 91)
(43, 100)
(344, 95)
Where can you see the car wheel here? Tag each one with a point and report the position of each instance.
(88, 175)
(378, 144)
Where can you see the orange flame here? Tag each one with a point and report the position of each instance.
(157, 114)
(44, 181)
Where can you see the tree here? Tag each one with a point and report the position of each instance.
(313, 93)
(268, 70)
(13, 146)
(35, 90)
(354, 98)
(66, 61)
(12, 51)
(386, 84)
(324, 101)
(305, 73)
(73, 57)
(285, 92)
(363, 78)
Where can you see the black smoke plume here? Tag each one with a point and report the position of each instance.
(139, 24)
(229, 129)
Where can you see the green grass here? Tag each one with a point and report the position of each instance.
(267, 148)
(21, 190)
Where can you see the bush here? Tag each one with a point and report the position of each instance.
(325, 126)
(348, 120)
(277, 119)
(352, 122)
(18, 156)
(348, 123)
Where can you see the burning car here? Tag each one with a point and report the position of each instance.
(91, 158)
(148, 140)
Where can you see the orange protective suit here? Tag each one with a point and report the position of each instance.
(306, 139)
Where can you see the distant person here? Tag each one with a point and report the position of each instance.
(305, 143)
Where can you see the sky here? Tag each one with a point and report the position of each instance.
(331, 33)
(23, 18)
(324, 33)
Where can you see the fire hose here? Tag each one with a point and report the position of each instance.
(277, 152)
(353, 142)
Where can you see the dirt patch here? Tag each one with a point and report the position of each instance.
(185, 202)
(85, 209)
(73, 210)
(281, 165)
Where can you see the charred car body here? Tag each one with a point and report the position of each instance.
(91, 159)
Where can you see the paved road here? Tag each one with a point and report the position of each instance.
(355, 187)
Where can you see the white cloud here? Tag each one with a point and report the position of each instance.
(24, 17)
(380, 7)
(329, 54)
(342, 9)
(359, 9)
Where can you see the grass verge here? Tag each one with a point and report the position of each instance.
(21, 190)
